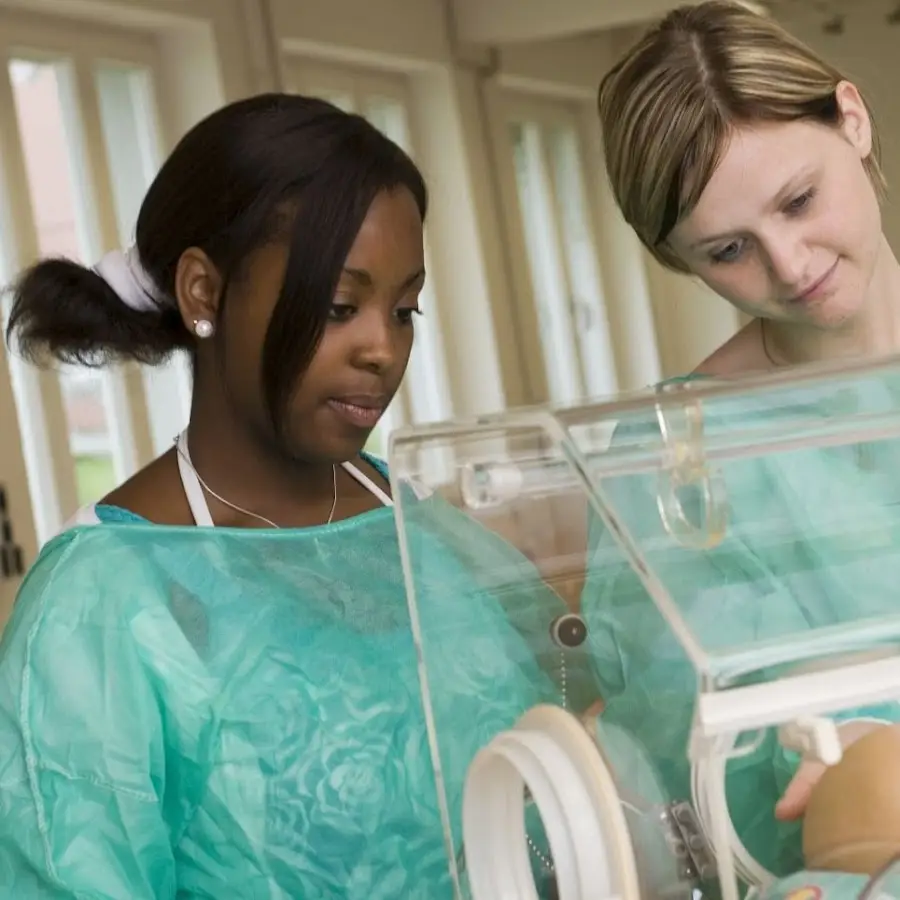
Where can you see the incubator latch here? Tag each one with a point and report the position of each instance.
(814, 737)
(688, 843)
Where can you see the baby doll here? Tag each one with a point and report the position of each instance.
(852, 822)
(851, 829)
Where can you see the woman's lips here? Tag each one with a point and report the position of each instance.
(817, 288)
(358, 412)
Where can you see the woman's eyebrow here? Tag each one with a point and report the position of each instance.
(779, 198)
(365, 279)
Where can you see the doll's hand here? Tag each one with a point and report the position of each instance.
(793, 802)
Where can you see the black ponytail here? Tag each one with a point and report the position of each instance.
(64, 309)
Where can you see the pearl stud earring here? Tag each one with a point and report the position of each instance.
(203, 328)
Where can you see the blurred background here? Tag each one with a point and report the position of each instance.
(537, 290)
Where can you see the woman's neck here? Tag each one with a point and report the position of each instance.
(250, 472)
(874, 331)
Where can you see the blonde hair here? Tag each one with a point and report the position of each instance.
(668, 107)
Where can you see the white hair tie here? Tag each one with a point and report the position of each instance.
(123, 272)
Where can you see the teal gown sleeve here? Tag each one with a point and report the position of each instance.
(81, 799)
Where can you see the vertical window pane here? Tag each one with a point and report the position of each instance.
(130, 139)
(548, 276)
(588, 308)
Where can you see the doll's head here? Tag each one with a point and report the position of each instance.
(852, 823)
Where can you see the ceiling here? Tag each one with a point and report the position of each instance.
(511, 21)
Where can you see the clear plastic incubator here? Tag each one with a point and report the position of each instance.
(687, 597)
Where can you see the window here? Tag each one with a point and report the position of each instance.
(551, 204)
(78, 118)
(382, 99)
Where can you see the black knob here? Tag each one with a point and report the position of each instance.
(568, 631)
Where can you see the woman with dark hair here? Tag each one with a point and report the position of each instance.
(233, 710)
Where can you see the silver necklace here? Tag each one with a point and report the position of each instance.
(765, 345)
(248, 512)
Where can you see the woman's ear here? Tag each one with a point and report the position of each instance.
(198, 288)
(856, 123)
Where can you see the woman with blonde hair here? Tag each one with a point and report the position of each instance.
(742, 158)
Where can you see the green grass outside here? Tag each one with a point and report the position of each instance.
(94, 478)
(377, 443)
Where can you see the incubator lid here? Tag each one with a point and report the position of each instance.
(761, 515)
